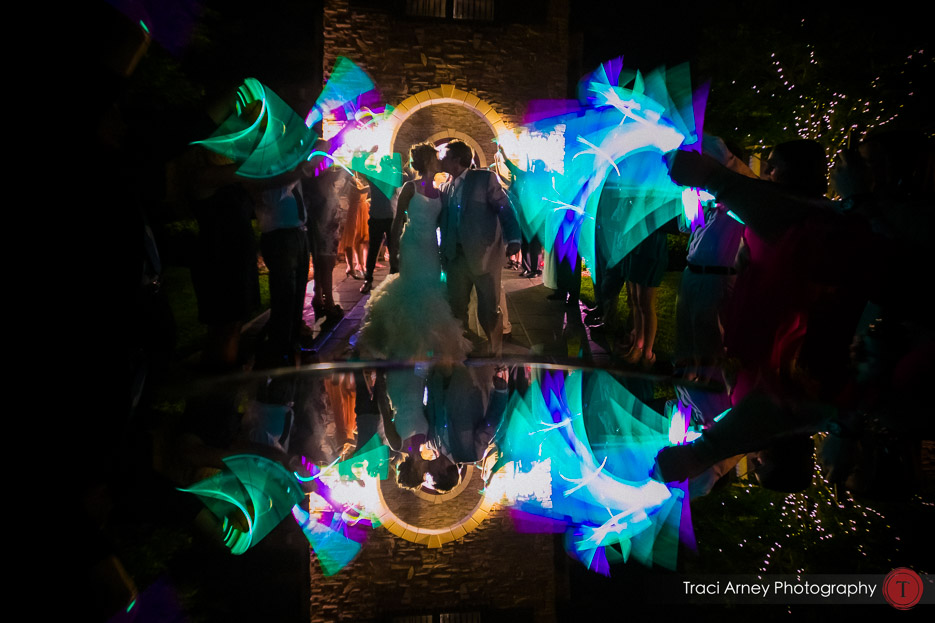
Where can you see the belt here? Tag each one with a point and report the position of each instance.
(712, 270)
(284, 230)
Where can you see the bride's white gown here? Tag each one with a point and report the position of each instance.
(408, 316)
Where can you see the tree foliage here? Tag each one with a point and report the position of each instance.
(777, 78)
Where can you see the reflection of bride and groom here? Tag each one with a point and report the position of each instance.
(456, 425)
(413, 315)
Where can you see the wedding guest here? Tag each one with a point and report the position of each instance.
(568, 262)
(224, 271)
(707, 282)
(350, 237)
(531, 247)
(608, 280)
(380, 226)
(323, 235)
(810, 272)
(645, 267)
(281, 215)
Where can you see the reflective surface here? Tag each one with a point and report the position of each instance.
(515, 489)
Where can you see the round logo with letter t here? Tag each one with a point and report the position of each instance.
(902, 588)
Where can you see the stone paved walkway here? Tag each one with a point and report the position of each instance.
(538, 327)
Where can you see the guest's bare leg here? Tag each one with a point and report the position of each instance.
(639, 327)
(222, 346)
(631, 305)
(635, 353)
(362, 255)
(647, 299)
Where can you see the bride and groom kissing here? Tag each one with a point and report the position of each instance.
(413, 315)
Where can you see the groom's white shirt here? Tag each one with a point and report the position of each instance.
(456, 185)
(455, 192)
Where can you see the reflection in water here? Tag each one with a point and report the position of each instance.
(249, 497)
(569, 452)
(298, 471)
(611, 501)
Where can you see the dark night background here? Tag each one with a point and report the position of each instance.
(730, 44)
(201, 49)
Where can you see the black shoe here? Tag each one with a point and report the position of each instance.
(594, 317)
(334, 314)
(367, 287)
(594, 323)
(557, 296)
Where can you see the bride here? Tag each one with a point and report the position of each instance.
(408, 316)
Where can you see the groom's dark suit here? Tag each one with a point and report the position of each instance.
(464, 411)
(477, 222)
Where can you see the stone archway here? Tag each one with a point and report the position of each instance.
(487, 122)
(434, 520)
(451, 134)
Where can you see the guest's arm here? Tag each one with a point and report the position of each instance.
(715, 147)
(757, 422)
(515, 171)
(767, 208)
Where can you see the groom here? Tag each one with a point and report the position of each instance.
(479, 229)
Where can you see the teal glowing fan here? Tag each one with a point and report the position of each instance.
(250, 497)
(263, 134)
(345, 84)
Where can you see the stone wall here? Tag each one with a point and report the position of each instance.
(505, 65)
(491, 568)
